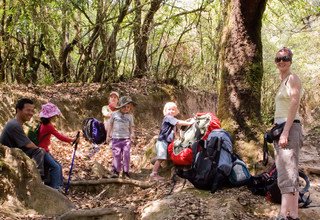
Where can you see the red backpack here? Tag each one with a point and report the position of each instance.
(180, 150)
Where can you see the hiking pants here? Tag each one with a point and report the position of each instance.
(55, 171)
(121, 154)
(287, 160)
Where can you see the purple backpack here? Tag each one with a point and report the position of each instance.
(94, 130)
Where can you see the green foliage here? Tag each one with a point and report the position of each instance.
(183, 40)
(294, 24)
(1, 164)
(46, 80)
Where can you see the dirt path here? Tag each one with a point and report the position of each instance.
(237, 203)
(151, 202)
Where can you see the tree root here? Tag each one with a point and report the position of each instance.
(141, 184)
(312, 170)
(96, 212)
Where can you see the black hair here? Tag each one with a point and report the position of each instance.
(21, 102)
(45, 120)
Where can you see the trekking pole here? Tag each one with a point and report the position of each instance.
(75, 143)
(265, 150)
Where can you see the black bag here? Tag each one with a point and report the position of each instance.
(272, 135)
(203, 171)
(265, 184)
(275, 132)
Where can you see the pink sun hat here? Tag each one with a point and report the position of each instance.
(49, 110)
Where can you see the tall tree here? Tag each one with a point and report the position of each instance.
(107, 61)
(240, 61)
(141, 36)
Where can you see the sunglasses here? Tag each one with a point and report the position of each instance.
(284, 59)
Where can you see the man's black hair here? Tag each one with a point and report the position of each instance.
(21, 102)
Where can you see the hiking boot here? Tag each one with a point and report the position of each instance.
(290, 218)
(153, 160)
(280, 218)
(115, 174)
(156, 177)
(126, 175)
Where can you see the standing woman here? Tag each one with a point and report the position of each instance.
(287, 149)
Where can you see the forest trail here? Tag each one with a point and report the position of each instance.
(139, 198)
(195, 204)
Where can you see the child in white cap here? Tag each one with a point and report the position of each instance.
(111, 107)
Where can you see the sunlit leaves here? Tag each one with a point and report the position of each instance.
(295, 24)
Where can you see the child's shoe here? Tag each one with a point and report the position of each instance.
(156, 177)
(115, 174)
(126, 175)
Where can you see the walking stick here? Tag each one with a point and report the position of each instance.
(75, 143)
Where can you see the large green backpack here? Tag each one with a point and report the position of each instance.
(33, 133)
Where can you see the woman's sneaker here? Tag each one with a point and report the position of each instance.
(156, 177)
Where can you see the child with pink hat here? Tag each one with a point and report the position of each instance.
(48, 113)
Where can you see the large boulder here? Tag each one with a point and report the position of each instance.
(21, 188)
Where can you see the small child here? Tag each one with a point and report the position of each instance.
(166, 135)
(121, 133)
(111, 107)
(49, 112)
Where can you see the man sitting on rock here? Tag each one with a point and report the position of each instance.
(13, 136)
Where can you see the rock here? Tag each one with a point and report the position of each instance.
(22, 188)
(99, 170)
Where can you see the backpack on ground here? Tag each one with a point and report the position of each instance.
(265, 184)
(214, 163)
(204, 166)
(230, 164)
(180, 151)
(94, 130)
(239, 175)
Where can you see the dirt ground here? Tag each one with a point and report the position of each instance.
(184, 202)
(159, 200)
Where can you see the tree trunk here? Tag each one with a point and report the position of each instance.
(54, 64)
(35, 49)
(106, 62)
(2, 32)
(65, 72)
(141, 36)
(65, 47)
(240, 65)
(86, 54)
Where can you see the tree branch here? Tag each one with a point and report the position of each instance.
(141, 184)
